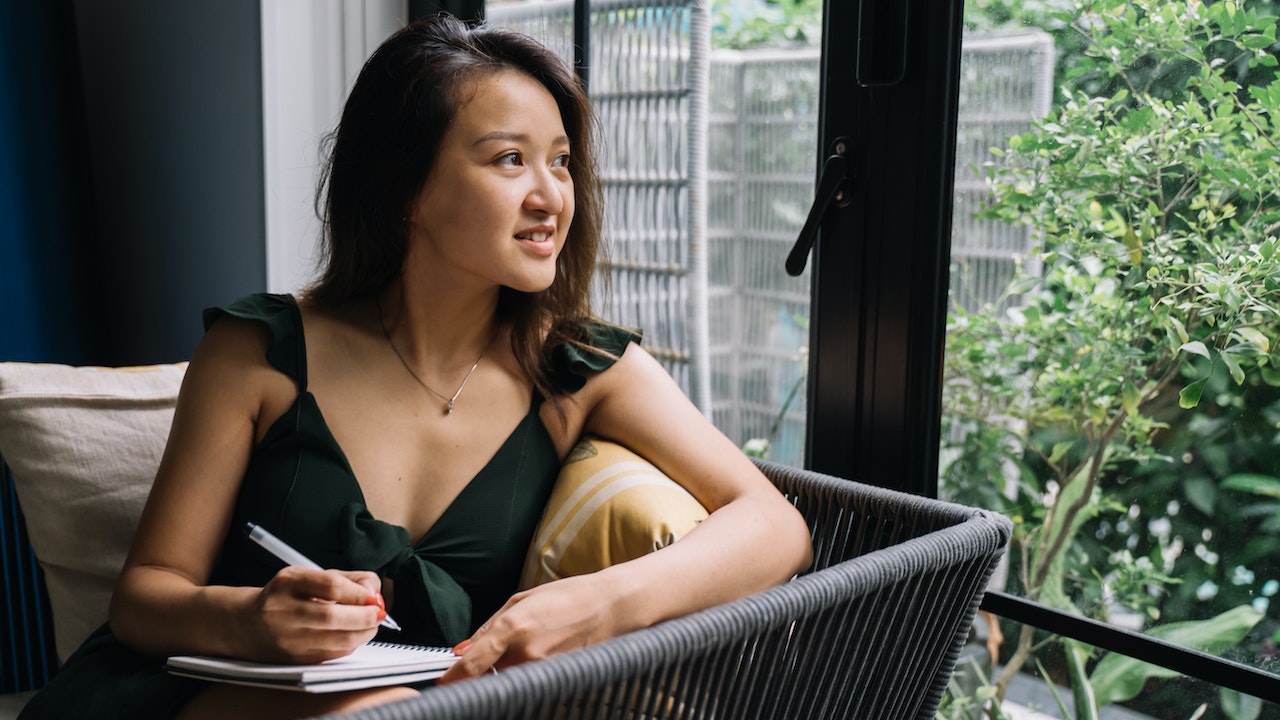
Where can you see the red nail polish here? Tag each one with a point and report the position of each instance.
(382, 614)
(461, 647)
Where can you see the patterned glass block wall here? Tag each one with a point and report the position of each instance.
(760, 179)
(647, 80)
(1006, 82)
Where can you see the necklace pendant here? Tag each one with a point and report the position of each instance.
(448, 408)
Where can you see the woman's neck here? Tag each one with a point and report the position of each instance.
(438, 329)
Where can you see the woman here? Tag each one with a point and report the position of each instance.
(408, 415)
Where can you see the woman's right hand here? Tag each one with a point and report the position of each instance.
(307, 616)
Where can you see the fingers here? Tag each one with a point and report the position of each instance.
(369, 580)
(514, 634)
(337, 586)
(477, 655)
(372, 584)
(534, 624)
(313, 615)
(332, 599)
(472, 661)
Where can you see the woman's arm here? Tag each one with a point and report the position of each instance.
(162, 604)
(752, 540)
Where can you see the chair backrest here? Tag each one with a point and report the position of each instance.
(28, 657)
(872, 630)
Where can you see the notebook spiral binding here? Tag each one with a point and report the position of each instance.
(409, 646)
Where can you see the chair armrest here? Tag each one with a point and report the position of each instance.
(873, 630)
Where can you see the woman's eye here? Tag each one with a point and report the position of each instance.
(561, 161)
(511, 158)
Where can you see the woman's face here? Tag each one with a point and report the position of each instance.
(497, 205)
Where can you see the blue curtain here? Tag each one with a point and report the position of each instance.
(42, 275)
(43, 257)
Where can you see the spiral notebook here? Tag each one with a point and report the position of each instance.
(375, 664)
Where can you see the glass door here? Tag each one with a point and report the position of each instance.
(1112, 382)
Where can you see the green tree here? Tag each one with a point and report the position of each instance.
(1152, 190)
(745, 24)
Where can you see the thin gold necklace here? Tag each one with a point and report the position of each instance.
(448, 401)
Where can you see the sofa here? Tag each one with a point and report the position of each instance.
(872, 629)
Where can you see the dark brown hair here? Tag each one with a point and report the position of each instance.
(387, 143)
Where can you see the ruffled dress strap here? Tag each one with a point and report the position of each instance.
(279, 312)
(596, 349)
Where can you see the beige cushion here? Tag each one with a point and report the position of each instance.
(83, 444)
(609, 505)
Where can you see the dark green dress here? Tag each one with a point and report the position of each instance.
(300, 487)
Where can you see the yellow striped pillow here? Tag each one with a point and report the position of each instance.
(609, 505)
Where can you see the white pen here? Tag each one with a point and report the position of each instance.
(291, 557)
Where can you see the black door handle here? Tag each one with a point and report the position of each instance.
(833, 187)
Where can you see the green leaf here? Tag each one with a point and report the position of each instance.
(1059, 451)
(1134, 244)
(1233, 367)
(1238, 706)
(1255, 483)
(1022, 285)
(1131, 399)
(1201, 493)
(1255, 338)
(1270, 376)
(1190, 395)
(1197, 348)
(1117, 678)
(1077, 655)
(1254, 41)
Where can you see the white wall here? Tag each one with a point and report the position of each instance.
(312, 51)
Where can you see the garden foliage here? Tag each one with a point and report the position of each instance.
(1145, 340)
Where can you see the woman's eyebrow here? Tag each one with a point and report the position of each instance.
(502, 136)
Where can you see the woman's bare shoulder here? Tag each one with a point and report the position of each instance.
(230, 367)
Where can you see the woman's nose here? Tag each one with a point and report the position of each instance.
(547, 193)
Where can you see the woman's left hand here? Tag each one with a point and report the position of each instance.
(537, 623)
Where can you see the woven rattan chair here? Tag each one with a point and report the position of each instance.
(873, 630)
